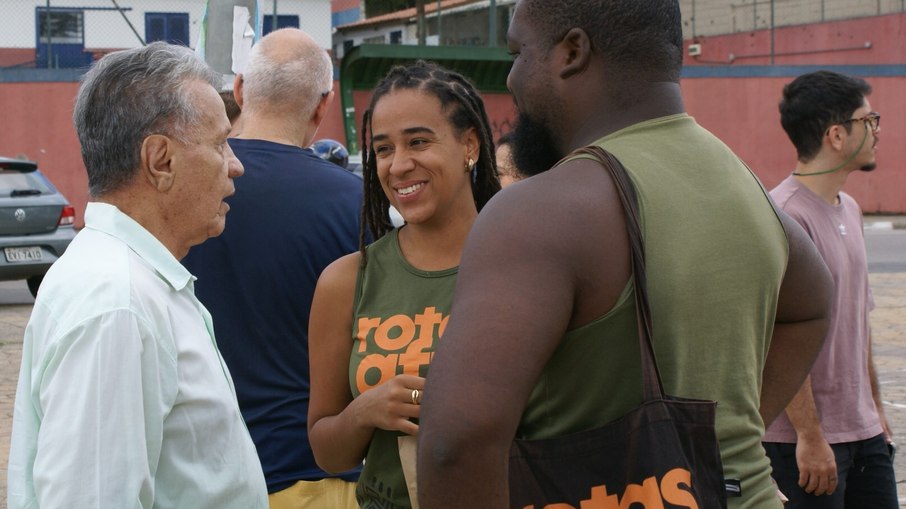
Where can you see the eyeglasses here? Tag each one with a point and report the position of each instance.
(872, 120)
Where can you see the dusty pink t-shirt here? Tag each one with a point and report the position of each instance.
(840, 379)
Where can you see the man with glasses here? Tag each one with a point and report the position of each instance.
(294, 214)
(832, 446)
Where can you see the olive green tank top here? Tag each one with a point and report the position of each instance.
(716, 253)
(399, 315)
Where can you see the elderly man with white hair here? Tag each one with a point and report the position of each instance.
(124, 400)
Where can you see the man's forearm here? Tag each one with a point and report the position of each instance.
(803, 413)
(794, 347)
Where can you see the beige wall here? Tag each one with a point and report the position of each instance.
(713, 17)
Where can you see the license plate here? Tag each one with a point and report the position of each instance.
(22, 254)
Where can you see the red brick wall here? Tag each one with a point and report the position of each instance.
(831, 43)
(342, 5)
(743, 113)
(37, 124)
(37, 117)
(16, 56)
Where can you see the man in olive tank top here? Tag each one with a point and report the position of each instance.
(542, 340)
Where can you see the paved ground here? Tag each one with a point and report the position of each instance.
(15, 308)
(888, 320)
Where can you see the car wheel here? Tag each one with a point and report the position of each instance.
(33, 283)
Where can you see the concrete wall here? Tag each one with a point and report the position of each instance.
(862, 41)
(714, 17)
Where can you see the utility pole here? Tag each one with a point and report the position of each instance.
(772, 32)
(422, 26)
(48, 32)
(492, 24)
(440, 40)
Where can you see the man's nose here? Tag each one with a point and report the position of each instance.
(234, 166)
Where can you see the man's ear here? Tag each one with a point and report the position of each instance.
(156, 161)
(836, 136)
(237, 89)
(321, 109)
(577, 48)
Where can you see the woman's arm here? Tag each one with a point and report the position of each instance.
(340, 427)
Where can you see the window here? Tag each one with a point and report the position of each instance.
(60, 26)
(283, 21)
(348, 44)
(396, 37)
(172, 27)
(60, 38)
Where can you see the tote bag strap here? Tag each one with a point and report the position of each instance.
(652, 387)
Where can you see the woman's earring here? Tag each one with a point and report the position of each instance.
(471, 167)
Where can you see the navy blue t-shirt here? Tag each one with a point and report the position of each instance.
(292, 215)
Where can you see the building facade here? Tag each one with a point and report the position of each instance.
(61, 34)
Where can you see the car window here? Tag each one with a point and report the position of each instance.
(15, 182)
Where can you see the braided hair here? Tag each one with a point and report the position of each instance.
(466, 109)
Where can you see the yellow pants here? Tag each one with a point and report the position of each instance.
(323, 494)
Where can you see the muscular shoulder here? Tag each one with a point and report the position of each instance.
(566, 223)
(563, 207)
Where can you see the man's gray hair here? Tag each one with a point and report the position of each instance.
(295, 76)
(129, 95)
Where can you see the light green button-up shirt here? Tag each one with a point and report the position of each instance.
(123, 399)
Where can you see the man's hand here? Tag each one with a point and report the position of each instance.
(817, 466)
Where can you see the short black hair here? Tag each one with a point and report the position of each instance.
(816, 101)
(643, 38)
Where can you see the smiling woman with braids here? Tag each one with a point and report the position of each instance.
(377, 314)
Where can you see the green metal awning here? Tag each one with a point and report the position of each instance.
(364, 66)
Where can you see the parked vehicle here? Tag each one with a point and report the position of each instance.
(36, 222)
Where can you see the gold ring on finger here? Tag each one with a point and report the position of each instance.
(416, 394)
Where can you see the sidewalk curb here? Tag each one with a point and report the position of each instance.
(884, 222)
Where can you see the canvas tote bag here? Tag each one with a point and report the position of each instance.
(663, 454)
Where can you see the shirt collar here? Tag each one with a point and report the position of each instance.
(108, 219)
